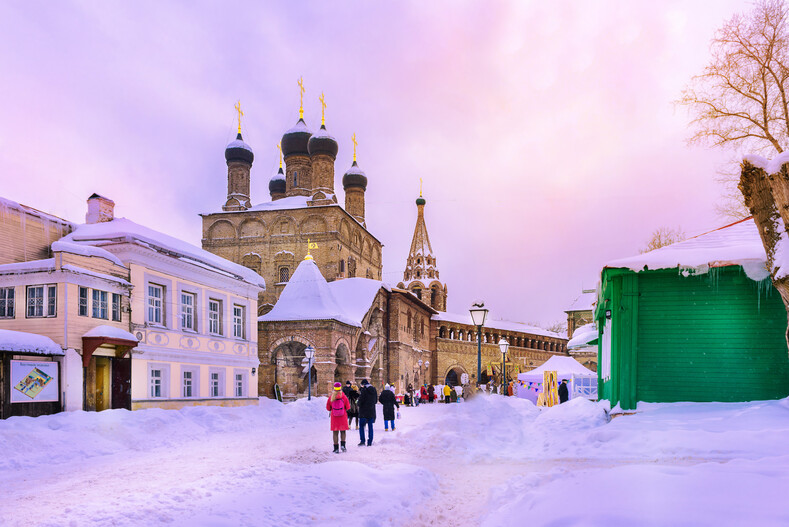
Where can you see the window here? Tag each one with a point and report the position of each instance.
(155, 297)
(83, 301)
(238, 321)
(158, 375)
(6, 302)
(116, 307)
(41, 301)
(284, 274)
(188, 392)
(239, 385)
(215, 316)
(342, 266)
(188, 301)
(216, 387)
(295, 179)
(100, 304)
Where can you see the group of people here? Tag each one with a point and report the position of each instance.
(358, 402)
(428, 394)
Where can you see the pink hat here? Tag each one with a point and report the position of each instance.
(338, 386)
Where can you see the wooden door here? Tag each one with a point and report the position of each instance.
(121, 383)
(102, 383)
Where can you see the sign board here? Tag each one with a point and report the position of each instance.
(34, 382)
(464, 378)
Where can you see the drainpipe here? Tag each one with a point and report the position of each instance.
(388, 320)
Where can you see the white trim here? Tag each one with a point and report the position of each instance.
(164, 378)
(216, 383)
(194, 371)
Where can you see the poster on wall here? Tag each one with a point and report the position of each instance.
(34, 382)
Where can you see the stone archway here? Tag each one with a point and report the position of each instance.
(345, 370)
(453, 375)
(289, 361)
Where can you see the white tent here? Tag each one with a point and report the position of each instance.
(582, 381)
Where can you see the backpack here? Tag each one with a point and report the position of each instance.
(337, 407)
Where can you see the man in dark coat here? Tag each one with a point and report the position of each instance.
(347, 389)
(431, 393)
(368, 396)
(388, 401)
(563, 395)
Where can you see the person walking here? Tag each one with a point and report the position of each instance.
(453, 395)
(388, 401)
(338, 406)
(431, 393)
(423, 394)
(410, 392)
(368, 396)
(447, 393)
(353, 412)
(563, 392)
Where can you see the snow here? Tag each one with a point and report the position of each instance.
(490, 461)
(300, 126)
(565, 367)
(21, 342)
(355, 296)
(583, 336)
(84, 250)
(47, 264)
(584, 302)
(279, 175)
(490, 323)
(770, 166)
(291, 202)
(111, 333)
(307, 296)
(83, 271)
(122, 230)
(238, 143)
(282, 253)
(6, 204)
(735, 244)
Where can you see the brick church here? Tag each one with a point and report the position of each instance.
(323, 272)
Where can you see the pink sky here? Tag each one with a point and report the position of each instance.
(544, 131)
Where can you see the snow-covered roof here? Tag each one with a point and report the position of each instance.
(278, 175)
(22, 342)
(497, 324)
(291, 202)
(307, 296)
(356, 295)
(47, 264)
(110, 332)
(584, 302)
(583, 336)
(238, 143)
(84, 250)
(6, 204)
(122, 229)
(323, 133)
(563, 366)
(735, 244)
(88, 272)
(300, 126)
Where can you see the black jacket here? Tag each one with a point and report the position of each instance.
(563, 393)
(367, 399)
(353, 397)
(389, 401)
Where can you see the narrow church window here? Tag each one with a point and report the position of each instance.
(284, 274)
(418, 273)
(295, 179)
(342, 266)
(409, 321)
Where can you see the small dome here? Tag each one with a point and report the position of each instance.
(420, 201)
(322, 143)
(295, 140)
(277, 183)
(238, 150)
(354, 178)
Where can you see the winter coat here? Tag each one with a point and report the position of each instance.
(389, 401)
(447, 391)
(353, 398)
(563, 395)
(431, 393)
(453, 395)
(367, 399)
(337, 410)
(423, 393)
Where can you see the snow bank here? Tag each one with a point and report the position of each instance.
(22, 342)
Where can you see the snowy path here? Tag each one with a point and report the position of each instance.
(488, 462)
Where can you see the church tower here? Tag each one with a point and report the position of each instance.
(322, 148)
(239, 157)
(421, 275)
(354, 183)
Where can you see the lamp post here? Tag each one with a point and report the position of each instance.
(478, 316)
(309, 353)
(503, 346)
(419, 364)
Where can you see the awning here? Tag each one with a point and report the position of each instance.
(123, 341)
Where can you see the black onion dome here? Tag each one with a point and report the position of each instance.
(354, 178)
(420, 200)
(322, 143)
(238, 150)
(295, 140)
(277, 183)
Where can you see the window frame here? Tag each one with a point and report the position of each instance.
(99, 304)
(8, 305)
(83, 296)
(244, 383)
(194, 377)
(220, 383)
(188, 312)
(47, 301)
(151, 307)
(164, 380)
(215, 324)
(116, 309)
(239, 322)
(283, 270)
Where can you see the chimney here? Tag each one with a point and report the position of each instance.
(100, 209)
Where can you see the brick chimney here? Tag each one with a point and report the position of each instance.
(100, 209)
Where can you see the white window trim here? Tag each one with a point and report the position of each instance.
(165, 369)
(243, 317)
(182, 310)
(80, 289)
(97, 293)
(195, 371)
(244, 382)
(12, 305)
(149, 306)
(222, 383)
(46, 288)
(219, 320)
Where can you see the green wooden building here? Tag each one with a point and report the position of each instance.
(698, 320)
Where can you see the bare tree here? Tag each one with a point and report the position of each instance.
(742, 100)
(663, 236)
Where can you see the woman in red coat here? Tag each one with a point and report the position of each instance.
(338, 406)
(423, 394)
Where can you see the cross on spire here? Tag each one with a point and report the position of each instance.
(420, 187)
(323, 109)
(279, 147)
(301, 98)
(240, 114)
(353, 139)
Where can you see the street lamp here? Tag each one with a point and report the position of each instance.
(478, 316)
(503, 346)
(309, 353)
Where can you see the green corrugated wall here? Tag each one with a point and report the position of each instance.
(712, 337)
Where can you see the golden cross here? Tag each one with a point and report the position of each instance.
(301, 98)
(240, 113)
(323, 109)
(279, 147)
(420, 187)
(353, 138)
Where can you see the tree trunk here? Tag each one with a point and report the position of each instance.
(757, 189)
